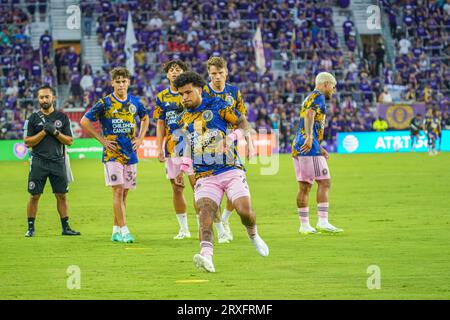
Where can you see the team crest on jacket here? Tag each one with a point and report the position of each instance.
(230, 99)
(58, 124)
(207, 115)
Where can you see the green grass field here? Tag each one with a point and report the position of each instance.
(394, 208)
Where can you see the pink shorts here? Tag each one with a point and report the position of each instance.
(120, 174)
(233, 183)
(173, 168)
(309, 169)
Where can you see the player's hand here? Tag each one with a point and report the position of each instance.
(137, 143)
(307, 145)
(324, 153)
(111, 146)
(161, 156)
(179, 181)
(251, 151)
(50, 128)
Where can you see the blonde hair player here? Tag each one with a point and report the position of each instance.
(310, 158)
(218, 87)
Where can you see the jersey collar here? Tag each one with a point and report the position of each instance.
(200, 108)
(121, 101)
(172, 93)
(216, 92)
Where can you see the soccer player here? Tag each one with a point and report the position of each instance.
(47, 132)
(217, 87)
(439, 122)
(431, 127)
(217, 168)
(310, 158)
(167, 110)
(415, 126)
(117, 113)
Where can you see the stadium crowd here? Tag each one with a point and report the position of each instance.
(299, 33)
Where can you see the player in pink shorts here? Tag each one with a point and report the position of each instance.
(310, 158)
(212, 152)
(232, 182)
(118, 113)
(168, 107)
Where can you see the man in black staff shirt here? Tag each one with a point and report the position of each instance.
(415, 125)
(47, 132)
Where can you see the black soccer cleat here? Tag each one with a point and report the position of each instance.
(70, 232)
(30, 233)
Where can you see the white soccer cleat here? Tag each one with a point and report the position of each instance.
(328, 228)
(182, 234)
(307, 229)
(204, 263)
(260, 245)
(223, 238)
(226, 226)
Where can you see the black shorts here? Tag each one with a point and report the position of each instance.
(41, 169)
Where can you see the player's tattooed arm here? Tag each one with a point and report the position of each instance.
(206, 208)
(309, 122)
(244, 125)
(186, 157)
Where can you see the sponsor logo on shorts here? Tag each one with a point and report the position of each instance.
(113, 177)
(31, 185)
(58, 124)
(324, 171)
(207, 115)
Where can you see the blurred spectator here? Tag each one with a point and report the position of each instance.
(404, 45)
(75, 86)
(87, 82)
(46, 42)
(87, 10)
(380, 52)
(380, 124)
(385, 96)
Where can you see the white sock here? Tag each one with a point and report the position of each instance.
(182, 221)
(116, 229)
(226, 214)
(303, 214)
(219, 228)
(322, 212)
(124, 230)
